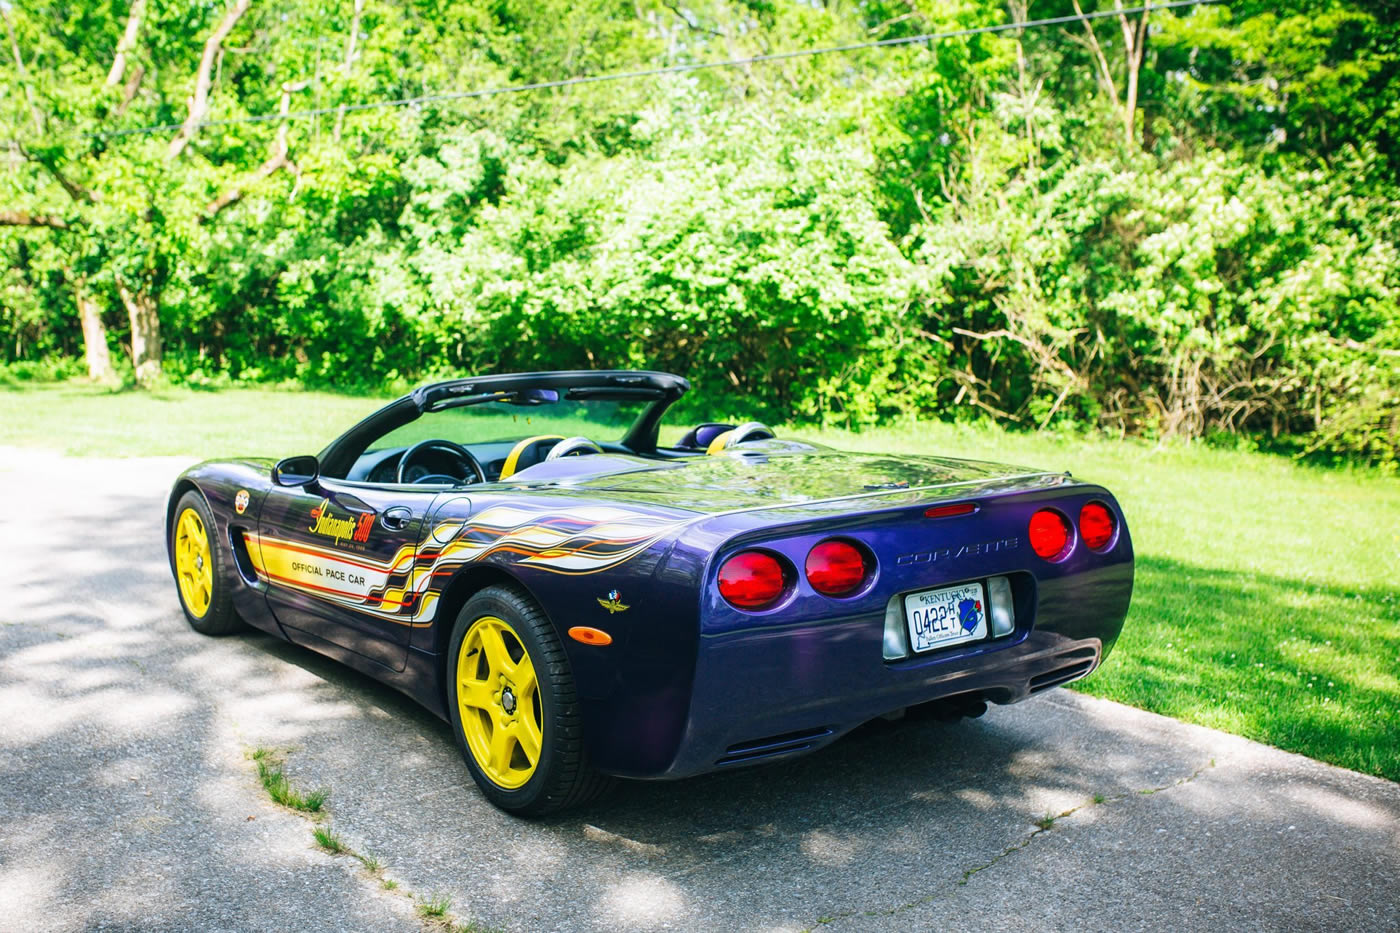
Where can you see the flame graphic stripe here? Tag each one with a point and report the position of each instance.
(406, 588)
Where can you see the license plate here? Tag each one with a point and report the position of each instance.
(948, 616)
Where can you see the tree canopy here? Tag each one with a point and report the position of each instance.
(1183, 222)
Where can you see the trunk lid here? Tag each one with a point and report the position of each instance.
(786, 478)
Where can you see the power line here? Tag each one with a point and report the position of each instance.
(927, 37)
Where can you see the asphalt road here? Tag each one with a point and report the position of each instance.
(127, 800)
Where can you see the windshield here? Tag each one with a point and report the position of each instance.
(494, 421)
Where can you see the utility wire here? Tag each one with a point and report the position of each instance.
(653, 72)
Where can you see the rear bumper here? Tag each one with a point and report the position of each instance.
(764, 694)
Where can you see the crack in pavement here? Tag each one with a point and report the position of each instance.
(1043, 825)
(433, 912)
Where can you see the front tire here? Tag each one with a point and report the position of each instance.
(514, 708)
(196, 560)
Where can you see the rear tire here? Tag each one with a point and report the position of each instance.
(514, 708)
(197, 560)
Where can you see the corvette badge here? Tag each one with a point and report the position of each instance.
(611, 603)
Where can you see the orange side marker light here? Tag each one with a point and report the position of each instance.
(589, 635)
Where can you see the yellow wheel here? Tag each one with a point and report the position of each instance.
(194, 569)
(194, 557)
(513, 706)
(498, 699)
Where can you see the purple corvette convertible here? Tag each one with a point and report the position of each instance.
(583, 592)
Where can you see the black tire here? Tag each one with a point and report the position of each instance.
(562, 777)
(218, 617)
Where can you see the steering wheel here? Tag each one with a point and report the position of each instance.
(457, 450)
(748, 431)
(572, 445)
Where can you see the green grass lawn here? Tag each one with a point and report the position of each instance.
(1268, 593)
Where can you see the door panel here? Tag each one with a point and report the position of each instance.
(339, 563)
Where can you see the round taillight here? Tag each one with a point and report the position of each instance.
(1049, 533)
(836, 568)
(752, 579)
(1096, 525)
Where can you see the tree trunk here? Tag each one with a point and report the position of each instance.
(127, 43)
(141, 309)
(349, 60)
(1134, 43)
(99, 358)
(21, 70)
(199, 100)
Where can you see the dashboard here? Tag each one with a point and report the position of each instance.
(382, 466)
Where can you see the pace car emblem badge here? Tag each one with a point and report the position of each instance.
(240, 501)
(611, 603)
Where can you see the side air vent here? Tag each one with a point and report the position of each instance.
(772, 745)
(241, 557)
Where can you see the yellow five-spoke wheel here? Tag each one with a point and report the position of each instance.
(514, 707)
(194, 557)
(194, 571)
(499, 700)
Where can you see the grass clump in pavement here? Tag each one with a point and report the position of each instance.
(280, 788)
(434, 911)
(1265, 603)
(329, 841)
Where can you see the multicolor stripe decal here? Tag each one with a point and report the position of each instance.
(406, 588)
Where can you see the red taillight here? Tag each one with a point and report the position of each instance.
(836, 568)
(1049, 533)
(947, 511)
(1096, 525)
(752, 579)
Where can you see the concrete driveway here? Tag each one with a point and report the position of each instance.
(127, 800)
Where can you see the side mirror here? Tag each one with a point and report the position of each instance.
(296, 471)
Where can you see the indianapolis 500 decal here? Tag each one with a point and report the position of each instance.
(406, 587)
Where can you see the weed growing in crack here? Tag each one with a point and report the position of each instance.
(280, 789)
(1046, 821)
(1099, 798)
(435, 909)
(328, 840)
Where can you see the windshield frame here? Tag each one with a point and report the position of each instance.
(662, 388)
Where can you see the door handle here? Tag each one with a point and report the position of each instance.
(396, 519)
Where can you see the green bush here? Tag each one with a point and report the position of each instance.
(48, 369)
(1201, 296)
(756, 265)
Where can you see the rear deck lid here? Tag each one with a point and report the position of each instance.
(789, 476)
